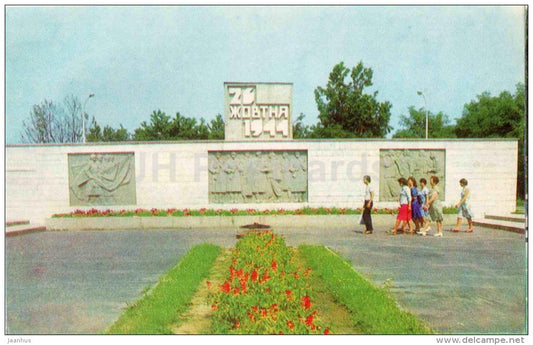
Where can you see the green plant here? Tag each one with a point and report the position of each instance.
(264, 292)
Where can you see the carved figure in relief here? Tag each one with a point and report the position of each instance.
(247, 177)
(261, 185)
(299, 173)
(97, 180)
(418, 163)
(216, 178)
(272, 169)
(390, 172)
(286, 177)
(233, 178)
(261, 176)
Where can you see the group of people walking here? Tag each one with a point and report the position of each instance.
(419, 206)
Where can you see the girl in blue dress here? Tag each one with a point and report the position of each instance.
(423, 196)
(416, 213)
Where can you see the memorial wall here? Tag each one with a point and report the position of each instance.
(46, 179)
(258, 165)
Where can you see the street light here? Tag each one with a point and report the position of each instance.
(427, 112)
(83, 116)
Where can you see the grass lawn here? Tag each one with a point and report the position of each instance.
(345, 301)
(156, 311)
(373, 310)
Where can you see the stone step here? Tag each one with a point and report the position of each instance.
(508, 218)
(501, 225)
(22, 229)
(17, 222)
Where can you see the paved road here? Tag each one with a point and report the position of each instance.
(78, 282)
(461, 283)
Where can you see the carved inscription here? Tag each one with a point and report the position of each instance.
(258, 111)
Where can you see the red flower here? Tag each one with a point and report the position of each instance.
(214, 307)
(309, 322)
(274, 308)
(237, 324)
(265, 277)
(236, 291)
(290, 324)
(327, 331)
(225, 287)
(251, 316)
(254, 275)
(307, 272)
(274, 265)
(255, 309)
(306, 302)
(288, 293)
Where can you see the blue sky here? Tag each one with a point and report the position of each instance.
(139, 59)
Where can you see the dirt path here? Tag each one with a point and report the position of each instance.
(331, 314)
(198, 319)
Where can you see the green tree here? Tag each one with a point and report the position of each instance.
(157, 129)
(497, 117)
(414, 125)
(162, 127)
(108, 134)
(494, 117)
(216, 128)
(345, 110)
(299, 129)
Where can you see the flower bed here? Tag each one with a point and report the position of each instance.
(264, 293)
(154, 212)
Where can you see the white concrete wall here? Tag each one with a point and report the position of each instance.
(175, 174)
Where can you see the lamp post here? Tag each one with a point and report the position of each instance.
(83, 116)
(427, 112)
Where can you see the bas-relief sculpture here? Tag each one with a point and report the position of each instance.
(396, 163)
(257, 176)
(102, 179)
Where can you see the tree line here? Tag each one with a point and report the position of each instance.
(346, 109)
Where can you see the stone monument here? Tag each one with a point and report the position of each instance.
(257, 176)
(419, 163)
(258, 111)
(101, 179)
